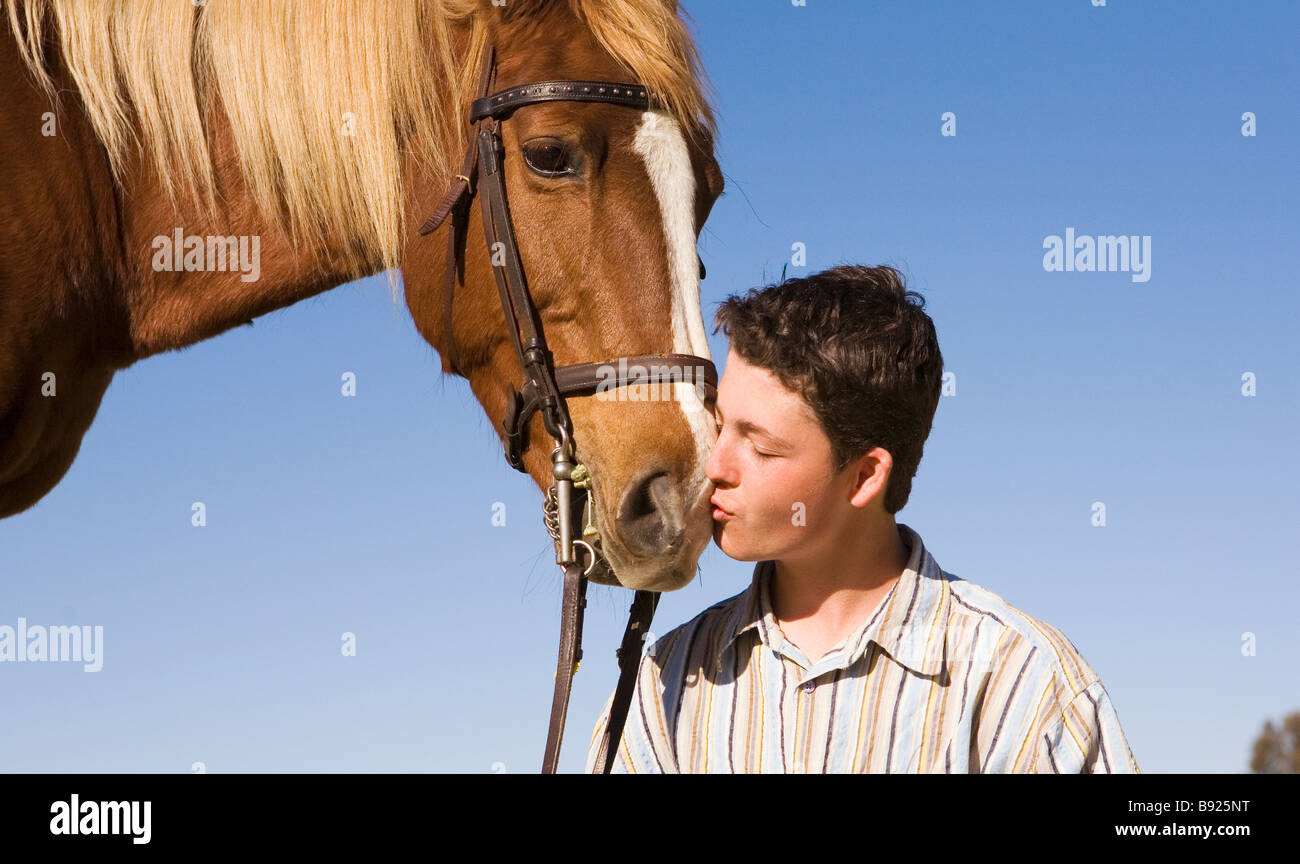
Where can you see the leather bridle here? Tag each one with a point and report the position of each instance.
(545, 385)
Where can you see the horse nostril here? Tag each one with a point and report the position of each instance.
(649, 516)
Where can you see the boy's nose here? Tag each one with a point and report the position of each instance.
(714, 468)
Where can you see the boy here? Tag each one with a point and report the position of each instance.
(851, 650)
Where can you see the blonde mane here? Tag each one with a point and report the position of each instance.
(324, 99)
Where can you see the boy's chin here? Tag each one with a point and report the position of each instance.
(725, 540)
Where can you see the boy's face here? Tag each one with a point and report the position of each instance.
(771, 468)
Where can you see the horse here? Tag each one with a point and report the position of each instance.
(144, 148)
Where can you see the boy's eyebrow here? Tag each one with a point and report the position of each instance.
(748, 427)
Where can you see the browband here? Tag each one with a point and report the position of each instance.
(500, 104)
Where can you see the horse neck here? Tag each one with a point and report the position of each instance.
(193, 274)
(81, 295)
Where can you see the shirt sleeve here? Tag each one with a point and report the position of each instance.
(645, 747)
(593, 748)
(1086, 738)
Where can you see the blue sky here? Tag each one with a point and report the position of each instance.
(372, 515)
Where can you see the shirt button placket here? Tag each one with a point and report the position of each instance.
(807, 687)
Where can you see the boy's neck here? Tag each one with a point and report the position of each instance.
(835, 591)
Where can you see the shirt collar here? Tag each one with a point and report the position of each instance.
(911, 624)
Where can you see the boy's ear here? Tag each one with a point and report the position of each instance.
(871, 475)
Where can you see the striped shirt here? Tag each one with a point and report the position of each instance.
(945, 676)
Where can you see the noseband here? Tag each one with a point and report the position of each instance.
(545, 385)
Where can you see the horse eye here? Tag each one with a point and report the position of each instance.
(548, 157)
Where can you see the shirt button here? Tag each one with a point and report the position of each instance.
(809, 687)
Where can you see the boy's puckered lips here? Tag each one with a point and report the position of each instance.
(719, 512)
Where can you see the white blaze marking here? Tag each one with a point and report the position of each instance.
(660, 143)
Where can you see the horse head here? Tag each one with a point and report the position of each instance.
(606, 203)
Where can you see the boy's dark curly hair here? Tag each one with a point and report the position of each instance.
(860, 350)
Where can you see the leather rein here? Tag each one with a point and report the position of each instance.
(546, 385)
